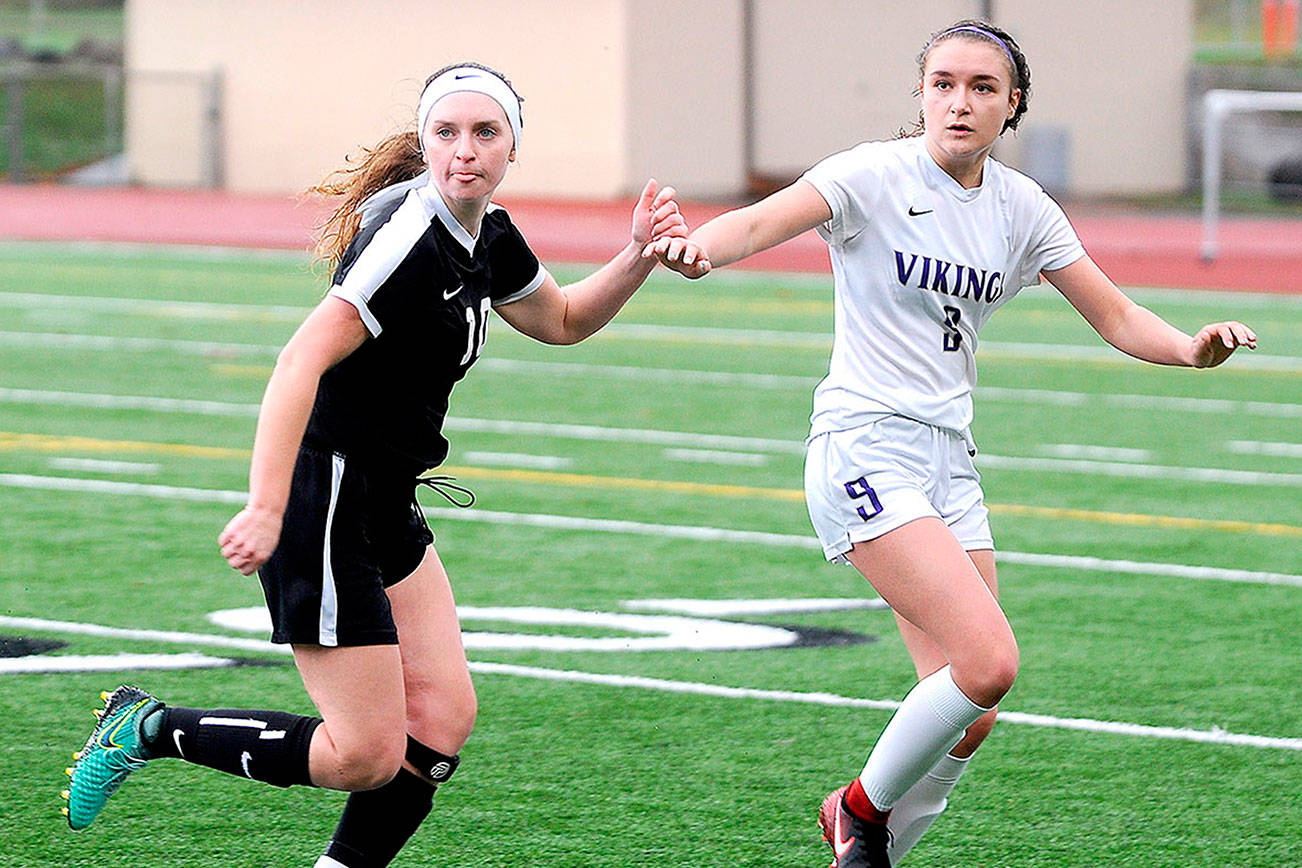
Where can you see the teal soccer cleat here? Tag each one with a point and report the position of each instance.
(114, 750)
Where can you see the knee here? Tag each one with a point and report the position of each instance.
(988, 677)
(443, 715)
(1001, 670)
(367, 763)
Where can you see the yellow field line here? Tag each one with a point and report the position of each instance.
(13, 442)
(588, 481)
(1142, 520)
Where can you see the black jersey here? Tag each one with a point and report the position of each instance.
(423, 287)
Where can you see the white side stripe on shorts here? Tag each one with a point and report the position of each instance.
(329, 617)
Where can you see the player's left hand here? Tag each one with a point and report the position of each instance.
(656, 215)
(1217, 341)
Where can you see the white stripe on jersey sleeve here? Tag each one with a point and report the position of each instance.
(387, 248)
(530, 289)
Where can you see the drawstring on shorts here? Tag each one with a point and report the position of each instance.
(445, 486)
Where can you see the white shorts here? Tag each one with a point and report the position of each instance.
(867, 481)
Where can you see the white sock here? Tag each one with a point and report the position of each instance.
(923, 803)
(930, 721)
(328, 862)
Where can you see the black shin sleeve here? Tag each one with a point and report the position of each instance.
(377, 823)
(269, 746)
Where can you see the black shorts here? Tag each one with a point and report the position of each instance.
(348, 534)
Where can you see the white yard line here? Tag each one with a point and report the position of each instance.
(666, 333)
(714, 456)
(688, 532)
(1138, 730)
(518, 459)
(96, 465)
(108, 662)
(126, 402)
(1096, 453)
(986, 461)
(1140, 402)
(650, 436)
(819, 282)
(1255, 447)
(653, 375)
(56, 340)
(169, 308)
(688, 440)
(1050, 397)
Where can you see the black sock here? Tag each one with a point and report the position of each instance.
(269, 746)
(376, 823)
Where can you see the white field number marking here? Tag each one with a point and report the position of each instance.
(637, 682)
(655, 632)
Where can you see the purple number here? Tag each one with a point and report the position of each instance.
(953, 337)
(858, 488)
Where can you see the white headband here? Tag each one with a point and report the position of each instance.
(471, 78)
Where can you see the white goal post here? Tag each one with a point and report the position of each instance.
(1217, 104)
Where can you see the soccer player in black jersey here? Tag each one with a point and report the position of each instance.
(352, 415)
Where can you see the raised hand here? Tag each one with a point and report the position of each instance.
(1216, 342)
(656, 215)
(683, 255)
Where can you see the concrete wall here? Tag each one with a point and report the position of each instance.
(618, 90)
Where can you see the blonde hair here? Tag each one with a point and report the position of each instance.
(397, 158)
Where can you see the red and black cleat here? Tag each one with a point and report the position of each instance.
(855, 843)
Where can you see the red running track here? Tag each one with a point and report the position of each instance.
(1136, 249)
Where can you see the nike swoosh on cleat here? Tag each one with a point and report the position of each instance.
(176, 737)
(244, 763)
(840, 845)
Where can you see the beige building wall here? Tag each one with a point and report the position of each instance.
(832, 73)
(1118, 90)
(686, 102)
(306, 83)
(619, 90)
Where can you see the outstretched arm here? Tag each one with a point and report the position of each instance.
(330, 333)
(744, 231)
(566, 316)
(1136, 330)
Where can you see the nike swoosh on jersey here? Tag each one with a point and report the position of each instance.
(913, 213)
(447, 295)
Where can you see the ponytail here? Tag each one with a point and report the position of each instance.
(397, 158)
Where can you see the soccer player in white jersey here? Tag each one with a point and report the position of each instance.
(351, 417)
(928, 236)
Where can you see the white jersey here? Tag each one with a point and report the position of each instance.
(920, 263)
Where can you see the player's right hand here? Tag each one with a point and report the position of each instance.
(249, 538)
(683, 255)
